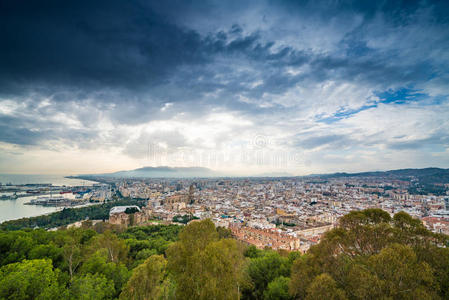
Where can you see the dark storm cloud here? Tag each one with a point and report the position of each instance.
(125, 53)
(127, 59)
(139, 46)
(398, 11)
(129, 44)
(85, 43)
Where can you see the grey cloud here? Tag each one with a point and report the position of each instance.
(19, 136)
(135, 46)
(124, 60)
(435, 140)
(27, 131)
(332, 140)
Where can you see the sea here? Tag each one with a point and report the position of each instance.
(16, 209)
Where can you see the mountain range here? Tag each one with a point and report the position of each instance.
(425, 175)
(164, 172)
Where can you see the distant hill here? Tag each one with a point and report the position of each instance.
(162, 172)
(426, 175)
(176, 172)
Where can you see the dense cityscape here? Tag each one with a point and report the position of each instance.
(287, 213)
(280, 213)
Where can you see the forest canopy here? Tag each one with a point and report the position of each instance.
(370, 255)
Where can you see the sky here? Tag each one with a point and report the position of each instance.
(242, 87)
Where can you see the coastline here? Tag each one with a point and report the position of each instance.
(87, 178)
(15, 209)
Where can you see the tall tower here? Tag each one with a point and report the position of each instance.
(191, 194)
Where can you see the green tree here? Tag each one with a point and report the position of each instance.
(49, 250)
(438, 260)
(148, 281)
(72, 242)
(203, 266)
(98, 264)
(144, 254)
(15, 246)
(262, 270)
(278, 289)
(401, 274)
(252, 252)
(116, 249)
(361, 283)
(411, 231)
(223, 262)
(30, 279)
(302, 273)
(360, 233)
(324, 287)
(71, 252)
(89, 286)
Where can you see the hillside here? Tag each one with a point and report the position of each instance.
(426, 175)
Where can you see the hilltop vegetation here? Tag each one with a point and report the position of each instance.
(369, 256)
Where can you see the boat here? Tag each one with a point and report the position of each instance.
(8, 197)
(33, 192)
(50, 201)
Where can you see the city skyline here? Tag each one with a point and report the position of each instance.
(246, 88)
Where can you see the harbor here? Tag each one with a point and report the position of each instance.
(47, 194)
(32, 195)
